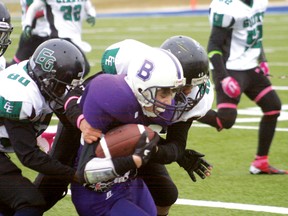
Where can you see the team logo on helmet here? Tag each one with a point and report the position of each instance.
(145, 71)
(46, 59)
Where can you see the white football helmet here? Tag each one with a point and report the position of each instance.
(153, 69)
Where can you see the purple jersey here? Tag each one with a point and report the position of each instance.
(112, 103)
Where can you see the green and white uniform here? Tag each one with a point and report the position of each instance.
(245, 22)
(65, 18)
(20, 99)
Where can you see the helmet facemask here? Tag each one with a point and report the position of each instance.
(201, 84)
(5, 41)
(178, 104)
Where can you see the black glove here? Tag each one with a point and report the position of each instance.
(192, 161)
(144, 147)
(91, 20)
(27, 32)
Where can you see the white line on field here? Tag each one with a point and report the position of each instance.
(238, 206)
(239, 127)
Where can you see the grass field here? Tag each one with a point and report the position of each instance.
(230, 151)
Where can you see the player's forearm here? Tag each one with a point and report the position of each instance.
(32, 10)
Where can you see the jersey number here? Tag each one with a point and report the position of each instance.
(17, 77)
(71, 13)
(254, 38)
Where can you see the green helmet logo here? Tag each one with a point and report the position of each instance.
(45, 59)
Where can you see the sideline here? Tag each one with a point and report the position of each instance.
(272, 9)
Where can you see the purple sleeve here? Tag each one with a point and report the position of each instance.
(108, 100)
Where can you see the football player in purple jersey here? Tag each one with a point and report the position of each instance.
(142, 96)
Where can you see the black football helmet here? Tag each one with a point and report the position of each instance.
(57, 66)
(194, 61)
(5, 28)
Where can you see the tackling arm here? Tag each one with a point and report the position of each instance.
(173, 147)
(30, 155)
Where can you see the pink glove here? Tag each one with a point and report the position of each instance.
(265, 68)
(45, 141)
(231, 87)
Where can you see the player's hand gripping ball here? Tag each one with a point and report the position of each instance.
(122, 140)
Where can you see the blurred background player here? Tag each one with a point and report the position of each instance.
(5, 30)
(65, 20)
(40, 33)
(26, 113)
(235, 49)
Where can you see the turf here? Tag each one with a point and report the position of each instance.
(230, 151)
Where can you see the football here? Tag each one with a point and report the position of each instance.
(122, 140)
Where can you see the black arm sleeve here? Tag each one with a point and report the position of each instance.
(218, 50)
(262, 56)
(72, 109)
(123, 164)
(23, 139)
(173, 147)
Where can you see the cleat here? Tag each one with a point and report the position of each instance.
(266, 169)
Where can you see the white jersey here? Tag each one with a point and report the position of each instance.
(41, 26)
(20, 98)
(246, 23)
(65, 17)
(116, 58)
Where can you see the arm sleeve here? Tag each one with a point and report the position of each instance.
(73, 111)
(71, 103)
(218, 38)
(23, 139)
(262, 56)
(90, 9)
(123, 164)
(32, 10)
(173, 147)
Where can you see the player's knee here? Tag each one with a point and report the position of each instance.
(227, 117)
(168, 197)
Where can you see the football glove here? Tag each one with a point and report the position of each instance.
(144, 147)
(27, 32)
(192, 161)
(91, 20)
(230, 87)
